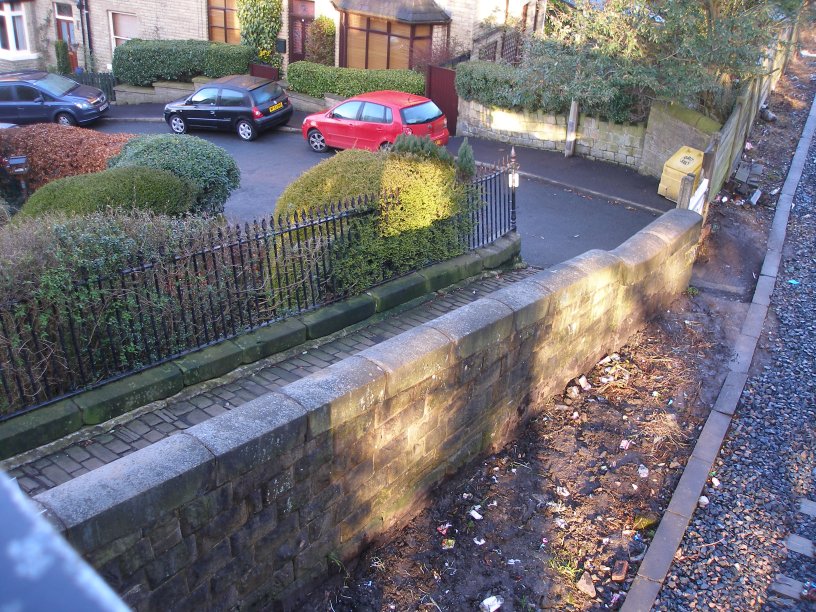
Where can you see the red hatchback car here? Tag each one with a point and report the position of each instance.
(374, 120)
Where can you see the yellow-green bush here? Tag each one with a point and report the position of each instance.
(418, 204)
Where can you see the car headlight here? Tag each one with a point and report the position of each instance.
(83, 105)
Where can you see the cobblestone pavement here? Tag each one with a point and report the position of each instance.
(46, 468)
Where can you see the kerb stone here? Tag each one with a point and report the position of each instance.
(270, 340)
(330, 319)
(399, 291)
(121, 396)
(210, 362)
(38, 427)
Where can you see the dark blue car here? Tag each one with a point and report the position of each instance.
(34, 96)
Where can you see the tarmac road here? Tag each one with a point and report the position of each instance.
(555, 222)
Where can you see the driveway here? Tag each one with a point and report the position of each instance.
(556, 222)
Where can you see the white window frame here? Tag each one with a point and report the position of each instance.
(58, 18)
(113, 36)
(7, 13)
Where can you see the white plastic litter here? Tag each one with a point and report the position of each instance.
(491, 604)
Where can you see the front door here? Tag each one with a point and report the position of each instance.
(64, 17)
(301, 16)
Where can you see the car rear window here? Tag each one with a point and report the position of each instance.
(56, 85)
(421, 113)
(264, 94)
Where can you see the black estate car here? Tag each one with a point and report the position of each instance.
(34, 96)
(246, 104)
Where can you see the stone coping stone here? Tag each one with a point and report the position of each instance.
(120, 396)
(399, 291)
(209, 363)
(334, 395)
(410, 358)
(38, 427)
(253, 434)
(116, 499)
(476, 326)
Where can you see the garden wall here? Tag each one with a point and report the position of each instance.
(251, 506)
(597, 139)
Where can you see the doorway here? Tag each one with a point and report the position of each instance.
(301, 16)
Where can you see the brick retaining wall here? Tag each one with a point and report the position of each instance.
(248, 507)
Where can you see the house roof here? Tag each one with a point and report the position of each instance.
(405, 11)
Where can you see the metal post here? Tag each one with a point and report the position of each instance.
(514, 182)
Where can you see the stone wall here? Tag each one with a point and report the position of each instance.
(597, 139)
(248, 507)
(672, 126)
(157, 19)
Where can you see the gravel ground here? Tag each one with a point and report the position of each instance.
(734, 547)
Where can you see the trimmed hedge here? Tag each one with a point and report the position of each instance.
(143, 62)
(204, 164)
(492, 84)
(222, 59)
(315, 80)
(159, 191)
(421, 227)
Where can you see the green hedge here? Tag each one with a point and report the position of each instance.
(142, 62)
(158, 191)
(423, 227)
(492, 84)
(204, 164)
(222, 59)
(315, 80)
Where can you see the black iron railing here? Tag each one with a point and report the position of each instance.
(238, 279)
(102, 80)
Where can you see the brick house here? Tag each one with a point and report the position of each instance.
(371, 33)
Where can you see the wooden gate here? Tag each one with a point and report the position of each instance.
(440, 86)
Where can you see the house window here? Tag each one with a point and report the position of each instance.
(123, 27)
(377, 43)
(223, 17)
(64, 17)
(13, 27)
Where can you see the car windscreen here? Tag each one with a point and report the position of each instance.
(421, 113)
(266, 93)
(56, 85)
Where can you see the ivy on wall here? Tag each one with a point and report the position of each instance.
(261, 22)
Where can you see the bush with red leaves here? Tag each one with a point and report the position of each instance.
(55, 151)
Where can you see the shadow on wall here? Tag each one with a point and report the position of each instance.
(252, 506)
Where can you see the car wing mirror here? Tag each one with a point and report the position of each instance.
(39, 100)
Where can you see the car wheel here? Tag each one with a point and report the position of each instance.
(386, 146)
(178, 124)
(65, 119)
(316, 141)
(246, 130)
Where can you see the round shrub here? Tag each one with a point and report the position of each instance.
(207, 166)
(134, 188)
(320, 41)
